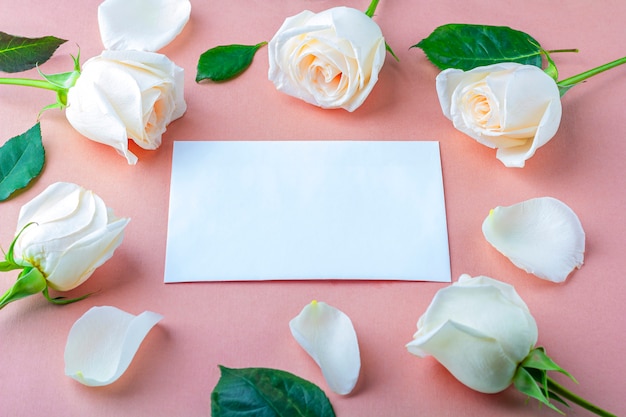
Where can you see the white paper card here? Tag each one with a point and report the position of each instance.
(278, 210)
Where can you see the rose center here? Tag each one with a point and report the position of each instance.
(481, 108)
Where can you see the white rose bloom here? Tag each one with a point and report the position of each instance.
(72, 232)
(126, 94)
(330, 59)
(479, 329)
(511, 107)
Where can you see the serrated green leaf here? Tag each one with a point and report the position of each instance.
(465, 46)
(263, 392)
(21, 54)
(21, 160)
(226, 62)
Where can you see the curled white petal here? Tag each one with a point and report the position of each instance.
(542, 236)
(327, 334)
(103, 342)
(144, 25)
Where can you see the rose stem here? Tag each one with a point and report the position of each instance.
(571, 81)
(565, 393)
(372, 8)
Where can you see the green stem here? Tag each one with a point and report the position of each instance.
(29, 82)
(571, 81)
(372, 8)
(567, 394)
(556, 51)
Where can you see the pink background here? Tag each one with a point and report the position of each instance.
(581, 323)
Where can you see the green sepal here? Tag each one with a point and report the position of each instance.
(63, 81)
(526, 384)
(466, 46)
(551, 69)
(264, 392)
(6, 266)
(10, 258)
(225, 62)
(63, 300)
(391, 52)
(21, 54)
(30, 281)
(21, 160)
(538, 359)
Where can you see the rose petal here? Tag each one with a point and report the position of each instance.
(468, 365)
(327, 334)
(542, 236)
(102, 343)
(145, 25)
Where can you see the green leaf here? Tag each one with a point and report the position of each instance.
(263, 392)
(465, 46)
(21, 160)
(226, 62)
(21, 54)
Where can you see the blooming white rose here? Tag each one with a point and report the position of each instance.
(70, 233)
(330, 59)
(479, 329)
(511, 107)
(126, 94)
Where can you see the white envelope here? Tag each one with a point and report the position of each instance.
(292, 210)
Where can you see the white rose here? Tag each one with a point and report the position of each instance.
(479, 329)
(72, 232)
(126, 94)
(330, 59)
(511, 107)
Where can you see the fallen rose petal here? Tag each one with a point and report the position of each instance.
(327, 334)
(144, 25)
(102, 343)
(542, 236)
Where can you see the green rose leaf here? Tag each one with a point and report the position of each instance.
(465, 46)
(21, 54)
(21, 160)
(225, 62)
(263, 392)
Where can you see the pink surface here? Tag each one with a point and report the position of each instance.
(581, 323)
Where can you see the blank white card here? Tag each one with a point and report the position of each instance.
(291, 210)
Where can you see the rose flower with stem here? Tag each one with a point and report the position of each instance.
(494, 89)
(62, 236)
(481, 331)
